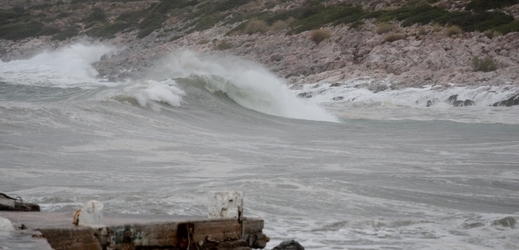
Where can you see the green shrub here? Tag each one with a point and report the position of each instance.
(281, 15)
(482, 21)
(486, 64)
(320, 15)
(166, 5)
(399, 14)
(108, 30)
(357, 25)
(66, 34)
(18, 31)
(6, 15)
(308, 11)
(152, 21)
(97, 15)
(347, 14)
(277, 21)
(150, 24)
(315, 15)
(132, 17)
(175, 38)
(40, 6)
(482, 5)
(256, 26)
(507, 28)
(205, 22)
(393, 37)
(145, 32)
(319, 35)
(453, 30)
(384, 28)
(423, 15)
(63, 15)
(19, 9)
(229, 4)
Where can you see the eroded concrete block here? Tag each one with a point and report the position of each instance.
(89, 215)
(225, 205)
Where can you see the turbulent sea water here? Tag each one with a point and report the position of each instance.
(364, 171)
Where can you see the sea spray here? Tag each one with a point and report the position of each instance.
(246, 83)
(70, 66)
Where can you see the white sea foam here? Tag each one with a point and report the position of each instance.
(147, 92)
(352, 100)
(6, 225)
(247, 83)
(69, 66)
(349, 92)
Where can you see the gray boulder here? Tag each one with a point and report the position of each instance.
(289, 245)
(512, 101)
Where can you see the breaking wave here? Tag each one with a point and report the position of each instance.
(248, 84)
(69, 66)
(144, 93)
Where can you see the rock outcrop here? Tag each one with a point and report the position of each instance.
(289, 245)
(8, 203)
(512, 101)
(453, 99)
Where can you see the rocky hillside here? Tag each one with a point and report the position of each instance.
(395, 43)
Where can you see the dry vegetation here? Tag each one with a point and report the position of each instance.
(453, 30)
(256, 26)
(223, 45)
(486, 64)
(383, 28)
(393, 37)
(422, 31)
(319, 35)
(281, 24)
(491, 33)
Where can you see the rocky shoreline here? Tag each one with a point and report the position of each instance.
(423, 55)
(429, 59)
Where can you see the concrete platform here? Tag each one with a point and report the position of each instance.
(127, 232)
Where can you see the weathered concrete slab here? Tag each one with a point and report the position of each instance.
(23, 239)
(144, 232)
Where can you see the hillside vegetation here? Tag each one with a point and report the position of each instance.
(105, 19)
